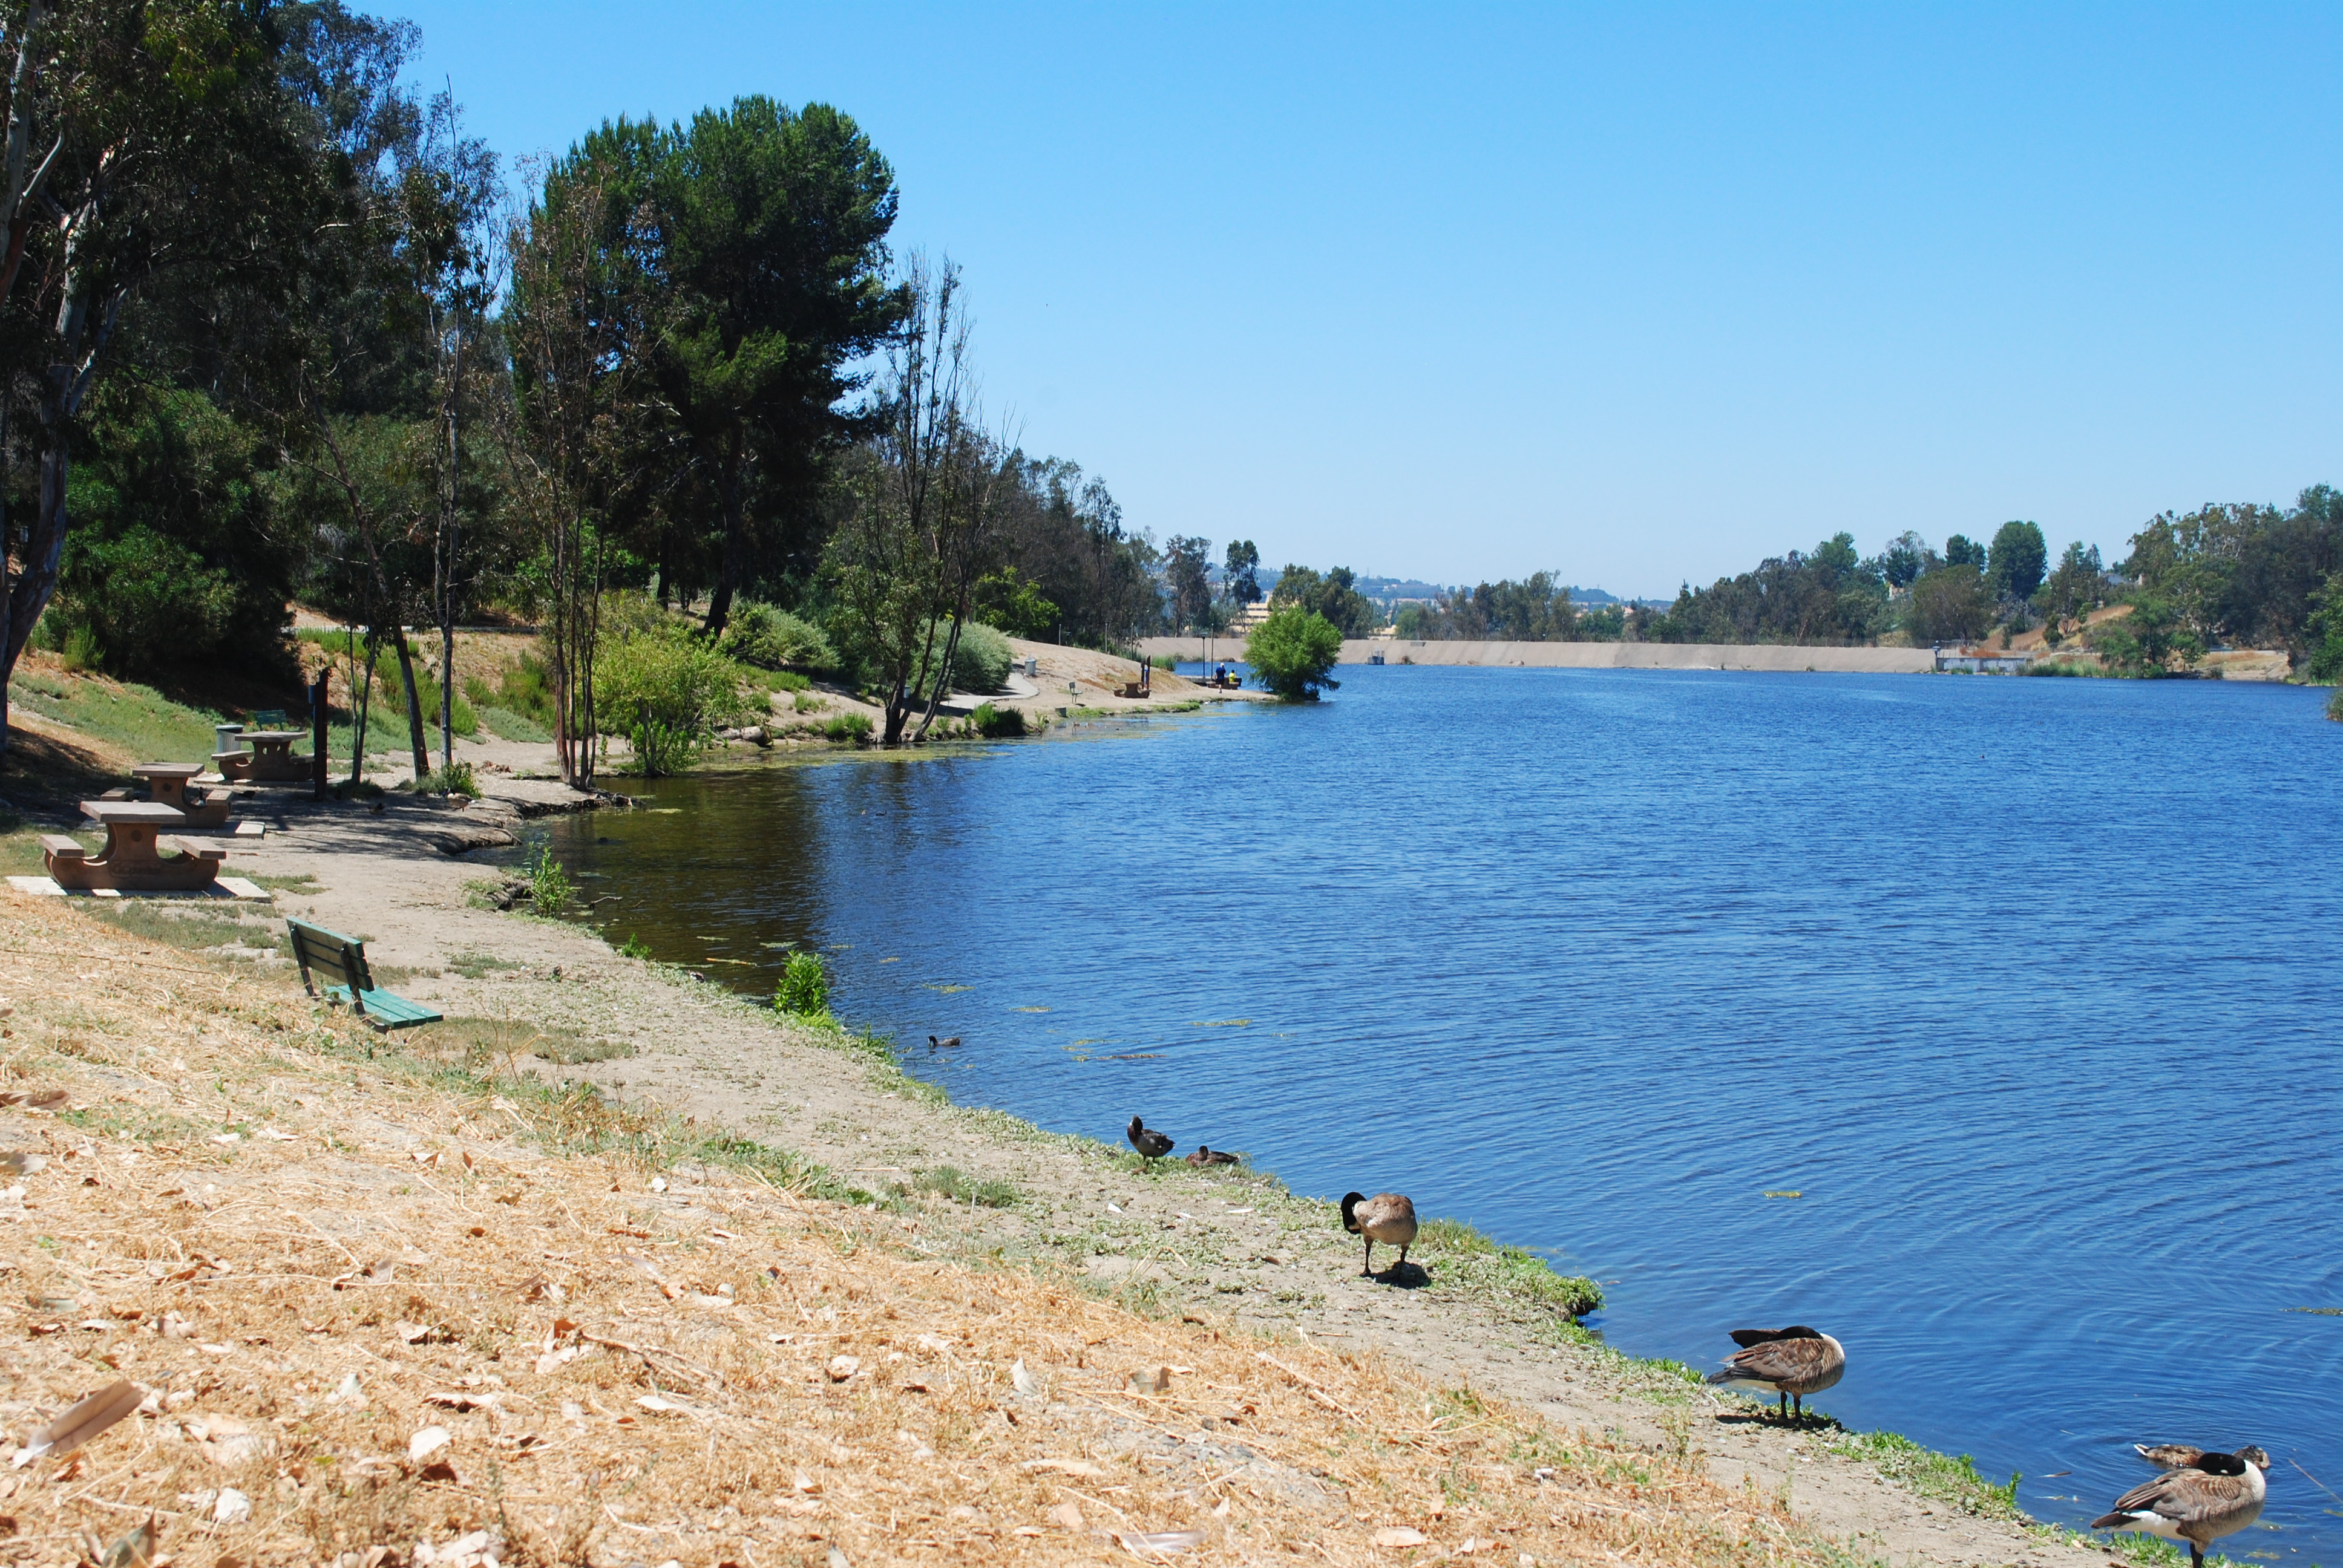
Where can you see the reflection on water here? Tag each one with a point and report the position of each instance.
(2023, 988)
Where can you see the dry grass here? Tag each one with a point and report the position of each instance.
(312, 1248)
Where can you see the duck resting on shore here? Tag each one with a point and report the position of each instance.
(1206, 1154)
(1387, 1217)
(1789, 1363)
(1151, 1145)
(2212, 1495)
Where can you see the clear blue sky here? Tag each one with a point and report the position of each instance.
(1635, 292)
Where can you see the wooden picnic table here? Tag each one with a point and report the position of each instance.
(131, 860)
(271, 757)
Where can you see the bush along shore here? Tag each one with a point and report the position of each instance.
(607, 1214)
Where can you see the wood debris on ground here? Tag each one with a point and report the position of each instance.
(275, 1292)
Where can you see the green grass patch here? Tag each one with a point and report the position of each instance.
(121, 713)
(1462, 1260)
(983, 1192)
(507, 725)
(479, 965)
(1940, 1477)
(191, 924)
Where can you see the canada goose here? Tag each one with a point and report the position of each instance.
(1207, 1155)
(1151, 1145)
(2168, 1455)
(2200, 1501)
(1386, 1217)
(1790, 1362)
(935, 1044)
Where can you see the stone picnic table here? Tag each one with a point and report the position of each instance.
(131, 861)
(167, 783)
(271, 758)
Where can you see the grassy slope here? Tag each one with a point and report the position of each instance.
(642, 1339)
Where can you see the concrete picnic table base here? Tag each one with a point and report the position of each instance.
(270, 760)
(132, 860)
(167, 782)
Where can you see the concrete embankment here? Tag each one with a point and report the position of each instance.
(1591, 655)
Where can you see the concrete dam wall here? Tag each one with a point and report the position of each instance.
(1591, 655)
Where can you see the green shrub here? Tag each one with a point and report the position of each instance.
(2325, 663)
(527, 689)
(997, 723)
(634, 946)
(391, 692)
(854, 727)
(1294, 651)
(804, 991)
(661, 750)
(788, 681)
(140, 603)
(981, 662)
(549, 887)
(453, 779)
(2334, 705)
(81, 651)
(772, 639)
(667, 692)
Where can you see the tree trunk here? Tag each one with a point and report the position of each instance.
(415, 742)
(361, 702)
(450, 534)
(736, 540)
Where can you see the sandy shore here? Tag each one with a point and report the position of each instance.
(1223, 1248)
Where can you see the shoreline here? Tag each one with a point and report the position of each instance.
(1231, 1249)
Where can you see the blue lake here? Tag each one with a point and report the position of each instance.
(2028, 988)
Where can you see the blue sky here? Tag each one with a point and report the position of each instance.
(1637, 294)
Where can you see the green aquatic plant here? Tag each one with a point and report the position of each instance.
(852, 728)
(550, 887)
(804, 989)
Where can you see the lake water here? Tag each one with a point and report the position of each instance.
(2028, 988)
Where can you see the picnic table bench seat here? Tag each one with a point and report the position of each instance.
(340, 963)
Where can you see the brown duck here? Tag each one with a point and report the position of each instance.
(1151, 1145)
(1387, 1217)
(1207, 1155)
(1790, 1363)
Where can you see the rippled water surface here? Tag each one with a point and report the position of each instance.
(2028, 988)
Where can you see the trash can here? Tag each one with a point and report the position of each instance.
(227, 737)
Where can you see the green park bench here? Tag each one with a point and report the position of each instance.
(340, 963)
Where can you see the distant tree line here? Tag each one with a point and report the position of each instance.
(274, 327)
(2224, 575)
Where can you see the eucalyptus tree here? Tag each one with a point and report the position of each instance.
(577, 342)
(147, 140)
(927, 492)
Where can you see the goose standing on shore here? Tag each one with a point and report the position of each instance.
(1151, 1145)
(1387, 1217)
(2212, 1495)
(1790, 1363)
